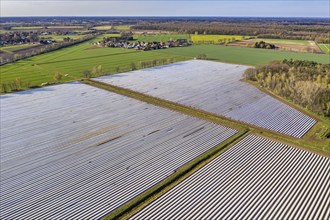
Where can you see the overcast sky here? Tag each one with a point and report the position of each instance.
(270, 8)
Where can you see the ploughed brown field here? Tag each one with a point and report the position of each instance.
(309, 47)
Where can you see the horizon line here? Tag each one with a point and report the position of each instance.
(162, 16)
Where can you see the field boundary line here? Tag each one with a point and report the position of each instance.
(145, 198)
(214, 118)
(294, 145)
(189, 110)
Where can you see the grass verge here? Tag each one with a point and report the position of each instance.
(197, 113)
(145, 198)
(315, 143)
(133, 206)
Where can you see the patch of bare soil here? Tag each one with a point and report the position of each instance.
(311, 48)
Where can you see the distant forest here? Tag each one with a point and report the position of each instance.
(298, 29)
(316, 29)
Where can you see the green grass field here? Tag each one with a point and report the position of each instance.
(72, 61)
(14, 48)
(108, 35)
(71, 27)
(245, 56)
(159, 37)
(26, 27)
(103, 28)
(60, 37)
(198, 39)
(325, 48)
(123, 27)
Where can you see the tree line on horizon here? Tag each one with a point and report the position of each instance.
(318, 32)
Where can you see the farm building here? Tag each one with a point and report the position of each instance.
(217, 88)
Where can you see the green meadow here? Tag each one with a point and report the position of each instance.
(61, 37)
(13, 48)
(159, 37)
(123, 27)
(26, 27)
(72, 61)
(245, 56)
(325, 48)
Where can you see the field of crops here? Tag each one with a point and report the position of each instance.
(103, 28)
(26, 27)
(66, 27)
(325, 48)
(60, 37)
(72, 61)
(159, 37)
(73, 151)
(14, 48)
(215, 87)
(216, 39)
(245, 56)
(123, 27)
(255, 179)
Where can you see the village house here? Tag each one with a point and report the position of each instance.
(118, 42)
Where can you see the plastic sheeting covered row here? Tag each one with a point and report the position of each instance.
(73, 151)
(217, 88)
(255, 179)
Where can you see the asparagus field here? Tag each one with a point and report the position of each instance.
(255, 179)
(216, 88)
(73, 151)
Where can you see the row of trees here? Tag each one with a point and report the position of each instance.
(306, 83)
(18, 84)
(201, 56)
(264, 45)
(317, 31)
(14, 85)
(98, 70)
(29, 52)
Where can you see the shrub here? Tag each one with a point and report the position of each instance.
(202, 56)
(57, 77)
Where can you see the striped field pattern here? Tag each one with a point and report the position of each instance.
(255, 179)
(215, 87)
(73, 151)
